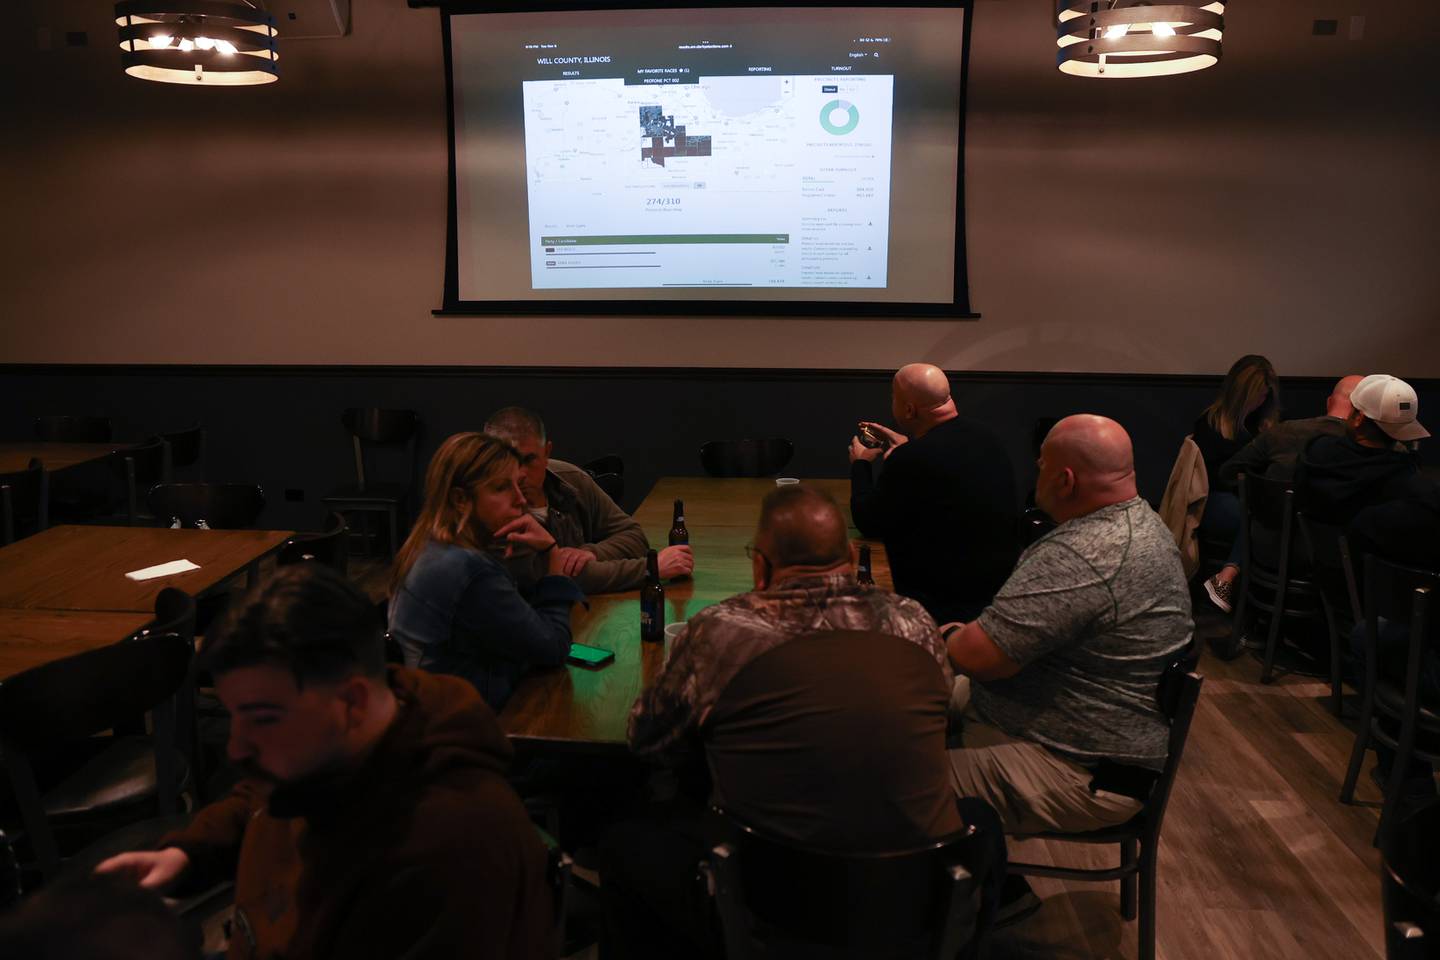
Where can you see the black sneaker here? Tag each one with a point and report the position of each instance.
(1017, 901)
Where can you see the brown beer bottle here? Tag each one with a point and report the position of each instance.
(652, 602)
(679, 536)
(862, 568)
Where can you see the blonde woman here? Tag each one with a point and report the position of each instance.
(1247, 405)
(453, 606)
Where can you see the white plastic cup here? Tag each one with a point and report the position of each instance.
(786, 481)
(672, 630)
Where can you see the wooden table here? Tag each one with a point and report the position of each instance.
(580, 708)
(30, 638)
(15, 456)
(83, 568)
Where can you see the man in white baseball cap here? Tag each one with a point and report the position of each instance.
(1390, 403)
(1337, 477)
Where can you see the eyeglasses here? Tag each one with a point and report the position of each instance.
(752, 551)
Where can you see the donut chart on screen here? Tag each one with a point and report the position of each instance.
(828, 111)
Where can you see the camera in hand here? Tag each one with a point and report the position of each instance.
(869, 438)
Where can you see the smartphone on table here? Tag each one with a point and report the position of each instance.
(584, 655)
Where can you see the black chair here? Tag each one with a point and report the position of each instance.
(89, 491)
(608, 472)
(1329, 556)
(746, 458)
(1410, 887)
(24, 502)
(65, 701)
(371, 427)
(331, 547)
(1139, 840)
(11, 887)
(776, 899)
(140, 468)
(1399, 595)
(1273, 586)
(207, 506)
(1034, 524)
(610, 463)
(73, 429)
(187, 449)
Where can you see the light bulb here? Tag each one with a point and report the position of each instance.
(1116, 32)
(160, 40)
(225, 47)
(204, 43)
(1161, 29)
(186, 45)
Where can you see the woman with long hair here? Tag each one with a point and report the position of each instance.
(1247, 405)
(453, 606)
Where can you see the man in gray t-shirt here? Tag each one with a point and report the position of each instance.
(1065, 662)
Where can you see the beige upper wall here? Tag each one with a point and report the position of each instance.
(1284, 202)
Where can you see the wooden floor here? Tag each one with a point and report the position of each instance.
(1258, 859)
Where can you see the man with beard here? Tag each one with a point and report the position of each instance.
(374, 819)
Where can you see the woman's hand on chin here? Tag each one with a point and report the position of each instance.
(526, 531)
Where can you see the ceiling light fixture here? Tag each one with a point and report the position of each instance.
(1136, 38)
(206, 42)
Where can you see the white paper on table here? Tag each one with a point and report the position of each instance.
(163, 570)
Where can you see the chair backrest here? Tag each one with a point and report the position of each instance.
(610, 463)
(174, 613)
(917, 902)
(1410, 887)
(24, 501)
(746, 458)
(187, 446)
(1401, 595)
(140, 468)
(1176, 696)
(79, 696)
(378, 426)
(612, 483)
(73, 429)
(214, 506)
(1034, 524)
(332, 547)
(1329, 554)
(861, 708)
(1267, 501)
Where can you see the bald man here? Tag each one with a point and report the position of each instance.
(779, 685)
(1059, 674)
(945, 502)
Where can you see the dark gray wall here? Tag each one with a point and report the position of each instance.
(280, 427)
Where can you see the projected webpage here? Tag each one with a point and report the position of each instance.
(758, 154)
(668, 179)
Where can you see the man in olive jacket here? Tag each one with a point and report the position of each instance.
(374, 820)
(603, 547)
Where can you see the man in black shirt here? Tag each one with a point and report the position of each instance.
(1337, 477)
(945, 503)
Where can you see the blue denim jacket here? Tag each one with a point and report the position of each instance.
(459, 612)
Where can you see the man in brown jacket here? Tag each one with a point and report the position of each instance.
(374, 819)
(603, 547)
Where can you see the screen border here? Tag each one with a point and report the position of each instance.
(957, 309)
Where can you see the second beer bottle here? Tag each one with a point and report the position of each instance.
(652, 602)
(678, 534)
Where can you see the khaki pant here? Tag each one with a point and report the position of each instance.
(1031, 788)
